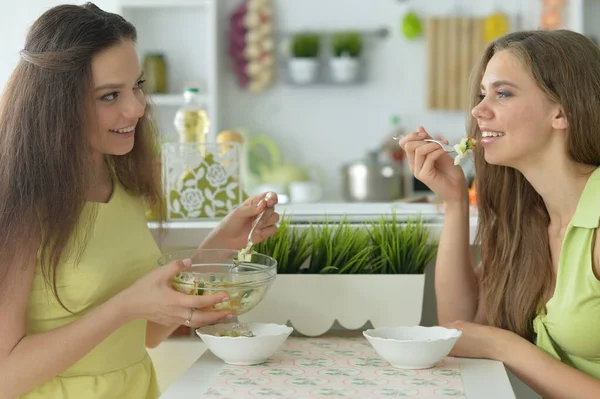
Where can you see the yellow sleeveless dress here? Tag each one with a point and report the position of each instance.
(569, 328)
(119, 252)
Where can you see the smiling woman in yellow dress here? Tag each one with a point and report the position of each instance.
(81, 296)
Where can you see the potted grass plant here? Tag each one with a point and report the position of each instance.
(347, 47)
(352, 273)
(304, 62)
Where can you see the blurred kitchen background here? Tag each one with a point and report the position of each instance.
(326, 138)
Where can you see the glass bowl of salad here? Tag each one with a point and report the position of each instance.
(245, 279)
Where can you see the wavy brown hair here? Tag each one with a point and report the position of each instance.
(513, 220)
(45, 154)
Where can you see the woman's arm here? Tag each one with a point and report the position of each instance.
(456, 287)
(549, 377)
(28, 361)
(231, 233)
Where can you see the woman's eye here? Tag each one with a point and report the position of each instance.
(111, 96)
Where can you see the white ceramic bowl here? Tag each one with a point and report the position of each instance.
(412, 347)
(245, 351)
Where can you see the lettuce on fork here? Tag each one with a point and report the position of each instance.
(466, 144)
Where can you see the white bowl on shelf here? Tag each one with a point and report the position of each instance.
(245, 351)
(412, 347)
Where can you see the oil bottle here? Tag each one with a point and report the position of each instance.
(191, 120)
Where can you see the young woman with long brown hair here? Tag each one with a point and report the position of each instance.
(81, 296)
(534, 301)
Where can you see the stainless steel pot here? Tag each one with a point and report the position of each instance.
(372, 180)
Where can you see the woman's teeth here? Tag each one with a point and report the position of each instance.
(125, 130)
(492, 134)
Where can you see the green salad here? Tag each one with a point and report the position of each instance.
(241, 298)
(228, 333)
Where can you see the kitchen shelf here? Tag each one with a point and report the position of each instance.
(185, 32)
(324, 73)
(173, 100)
(378, 33)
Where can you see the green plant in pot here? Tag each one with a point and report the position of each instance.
(347, 43)
(352, 273)
(304, 62)
(347, 48)
(386, 246)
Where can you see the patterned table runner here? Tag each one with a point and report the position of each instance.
(333, 366)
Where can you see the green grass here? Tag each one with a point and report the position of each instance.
(382, 247)
(402, 248)
(289, 246)
(340, 248)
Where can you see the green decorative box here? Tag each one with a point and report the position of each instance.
(201, 180)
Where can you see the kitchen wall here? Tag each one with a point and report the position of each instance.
(16, 20)
(328, 126)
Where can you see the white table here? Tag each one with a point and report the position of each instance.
(482, 379)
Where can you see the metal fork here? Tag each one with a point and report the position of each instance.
(249, 244)
(445, 146)
(243, 328)
(256, 222)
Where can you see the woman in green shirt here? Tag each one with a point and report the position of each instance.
(534, 301)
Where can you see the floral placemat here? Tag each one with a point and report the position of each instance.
(328, 367)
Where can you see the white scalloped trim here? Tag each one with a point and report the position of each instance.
(312, 303)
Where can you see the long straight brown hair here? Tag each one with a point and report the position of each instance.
(45, 154)
(513, 220)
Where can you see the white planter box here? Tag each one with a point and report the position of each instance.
(313, 302)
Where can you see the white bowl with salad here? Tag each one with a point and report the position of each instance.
(245, 280)
(227, 344)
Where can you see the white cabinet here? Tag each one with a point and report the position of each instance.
(185, 32)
